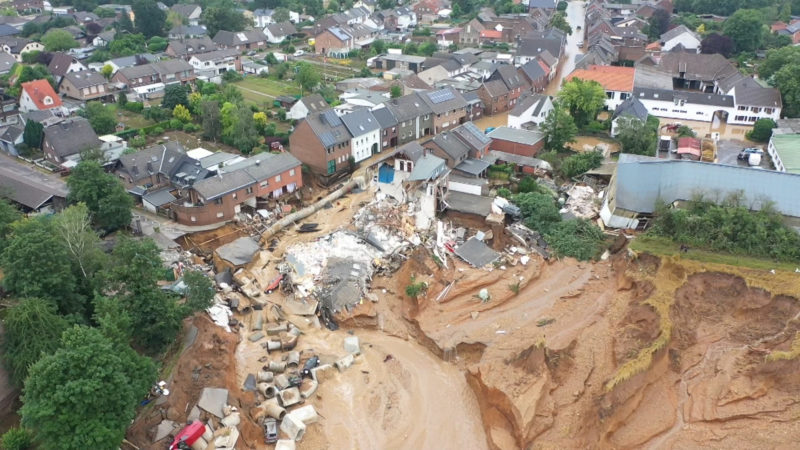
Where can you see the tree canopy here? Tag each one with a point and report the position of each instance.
(559, 128)
(223, 16)
(104, 195)
(84, 395)
(57, 40)
(636, 136)
(583, 99)
(150, 19)
(101, 118)
(174, 94)
(745, 28)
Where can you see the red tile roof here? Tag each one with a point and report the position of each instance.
(612, 78)
(688, 145)
(492, 34)
(38, 91)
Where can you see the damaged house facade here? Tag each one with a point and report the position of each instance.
(170, 182)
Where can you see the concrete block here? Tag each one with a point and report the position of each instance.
(306, 414)
(345, 362)
(285, 444)
(351, 345)
(323, 372)
(289, 397)
(232, 420)
(281, 381)
(293, 427)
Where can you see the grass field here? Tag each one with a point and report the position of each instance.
(665, 247)
(257, 90)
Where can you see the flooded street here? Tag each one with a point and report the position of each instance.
(576, 18)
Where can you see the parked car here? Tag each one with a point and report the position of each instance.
(299, 53)
(745, 153)
(251, 53)
(270, 430)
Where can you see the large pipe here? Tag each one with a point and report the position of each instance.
(273, 345)
(265, 376)
(275, 366)
(290, 343)
(307, 211)
(267, 389)
(310, 390)
(274, 410)
(293, 360)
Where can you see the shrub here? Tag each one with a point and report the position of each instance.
(579, 239)
(415, 289)
(191, 127)
(595, 127)
(16, 439)
(158, 130)
(581, 163)
(762, 130)
(176, 124)
(136, 107)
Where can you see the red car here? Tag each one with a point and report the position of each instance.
(274, 284)
(189, 434)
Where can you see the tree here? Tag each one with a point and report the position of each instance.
(122, 99)
(182, 113)
(113, 319)
(16, 439)
(107, 71)
(577, 238)
(308, 77)
(762, 130)
(581, 163)
(212, 124)
(157, 44)
(240, 131)
(427, 48)
(101, 119)
(127, 44)
(8, 215)
(97, 382)
(396, 91)
(224, 16)
(260, 121)
(378, 47)
(150, 19)
(174, 94)
(658, 23)
(271, 59)
(125, 23)
(717, 43)
(777, 59)
(583, 99)
(280, 15)
(745, 28)
(74, 230)
(102, 193)
(199, 291)
(636, 137)
(558, 21)
(558, 128)
(539, 210)
(33, 134)
(32, 326)
(410, 48)
(56, 40)
(106, 13)
(787, 82)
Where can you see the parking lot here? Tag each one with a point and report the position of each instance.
(727, 153)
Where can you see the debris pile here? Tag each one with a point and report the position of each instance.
(212, 424)
(582, 202)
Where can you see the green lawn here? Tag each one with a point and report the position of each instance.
(130, 119)
(657, 245)
(260, 90)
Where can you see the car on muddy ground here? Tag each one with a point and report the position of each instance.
(270, 430)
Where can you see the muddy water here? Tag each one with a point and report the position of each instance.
(576, 17)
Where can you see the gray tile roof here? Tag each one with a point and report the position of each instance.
(537, 100)
(360, 122)
(413, 151)
(231, 38)
(443, 100)
(152, 160)
(542, 4)
(188, 30)
(533, 70)
(328, 127)
(472, 136)
(451, 145)
(159, 198)
(71, 137)
(516, 135)
(427, 167)
(748, 92)
(677, 31)
(509, 75)
(698, 98)
(631, 107)
(217, 55)
(221, 184)
(60, 63)
(271, 164)
(28, 187)
(281, 29)
(495, 88)
(385, 118)
(408, 107)
(693, 66)
(182, 47)
(85, 78)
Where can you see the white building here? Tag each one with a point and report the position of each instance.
(211, 64)
(309, 104)
(680, 38)
(365, 132)
(530, 110)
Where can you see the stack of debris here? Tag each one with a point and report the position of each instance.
(212, 424)
(582, 202)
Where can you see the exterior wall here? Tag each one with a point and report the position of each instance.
(474, 189)
(362, 146)
(214, 211)
(747, 115)
(414, 129)
(448, 120)
(284, 183)
(305, 146)
(326, 41)
(297, 111)
(776, 158)
(703, 113)
(389, 137)
(493, 105)
(473, 112)
(687, 40)
(516, 148)
(615, 98)
(87, 93)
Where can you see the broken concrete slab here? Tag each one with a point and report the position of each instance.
(351, 345)
(285, 444)
(289, 397)
(293, 427)
(238, 252)
(476, 253)
(213, 400)
(255, 337)
(194, 414)
(231, 420)
(306, 414)
(226, 437)
(345, 362)
(250, 382)
(164, 429)
(306, 307)
(323, 372)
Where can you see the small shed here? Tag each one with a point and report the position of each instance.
(689, 148)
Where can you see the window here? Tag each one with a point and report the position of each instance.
(219, 215)
(331, 166)
(609, 94)
(742, 108)
(234, 195)
(193, 219)
(291, 172)
(218, 201)
(624, 95)
(264, 184)
(768, 110)
(250, 190)
(756, 110)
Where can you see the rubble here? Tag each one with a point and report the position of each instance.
(293, 427)
(351, 345)
(213, 400)
(582, 202)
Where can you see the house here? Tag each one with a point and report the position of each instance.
(447, 106)
(187, 32)
(263, 17)
(84, 85)
(184, 48)
(388, 126)
(447, 37)
(215, 63)
(242, 40)
(617, 81)
(62, 64)
(530, 111)
(84, 17)
(414, 117)
(278, 32)
(253, 68)
(333, 41)
(462, 148)
(792, 30)
(429, 8)
(515, 83)
(392, 61)
(191, 13)
(632, 107)
(154, 167)
(680, 38)
(516, 141)
(17, 47)
(7, 30)
(149, 80)
(365, 133)
(537, 73)
(641, 183)
(309, 104)
(66, 140)
(322, 142)
(494, 95)
(471, 33)
(24, 7)
(6, 63)
(548, 6)
(130, 61)
(104, 38)
(531, 47)
(38, 95)
(474, 110)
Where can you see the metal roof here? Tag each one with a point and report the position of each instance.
(788, 148)
(428, 167)
(360, 122)
(159, 198)
(698, 98)
(476, 253)
(519, 136)
(473, 166)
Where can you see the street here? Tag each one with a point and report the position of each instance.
(576, 18)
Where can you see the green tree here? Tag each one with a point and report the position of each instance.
(157, 44)
(378, 47)
(73, 228)
(8, 215)
(56, 40)
(32, 327)
(182, 113)
(174, 94)
(33, 134)
(101, 119)
(107, 71)
(583, 99)
(125, 23)
(745, 28)
(658, 24)
(240, 130)
(280, 15)
(97, 382)
(150, 19)
(16, 439)
(539, 210)
(212, 121)
(427, 48)
(127, 44)
(578, 238)
(113, 319)
(260, 121)
(559, 21)
(308, 77)
(777, 59)
(762, 130)
(199, 291)
(102, 193)
(223, 16)
(106, 13)
(788, 84)
(36, 265)
(636, 137)
(581, 163)
(559, 128)
(396, 91)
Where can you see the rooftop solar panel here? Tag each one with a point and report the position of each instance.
(441, 96)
